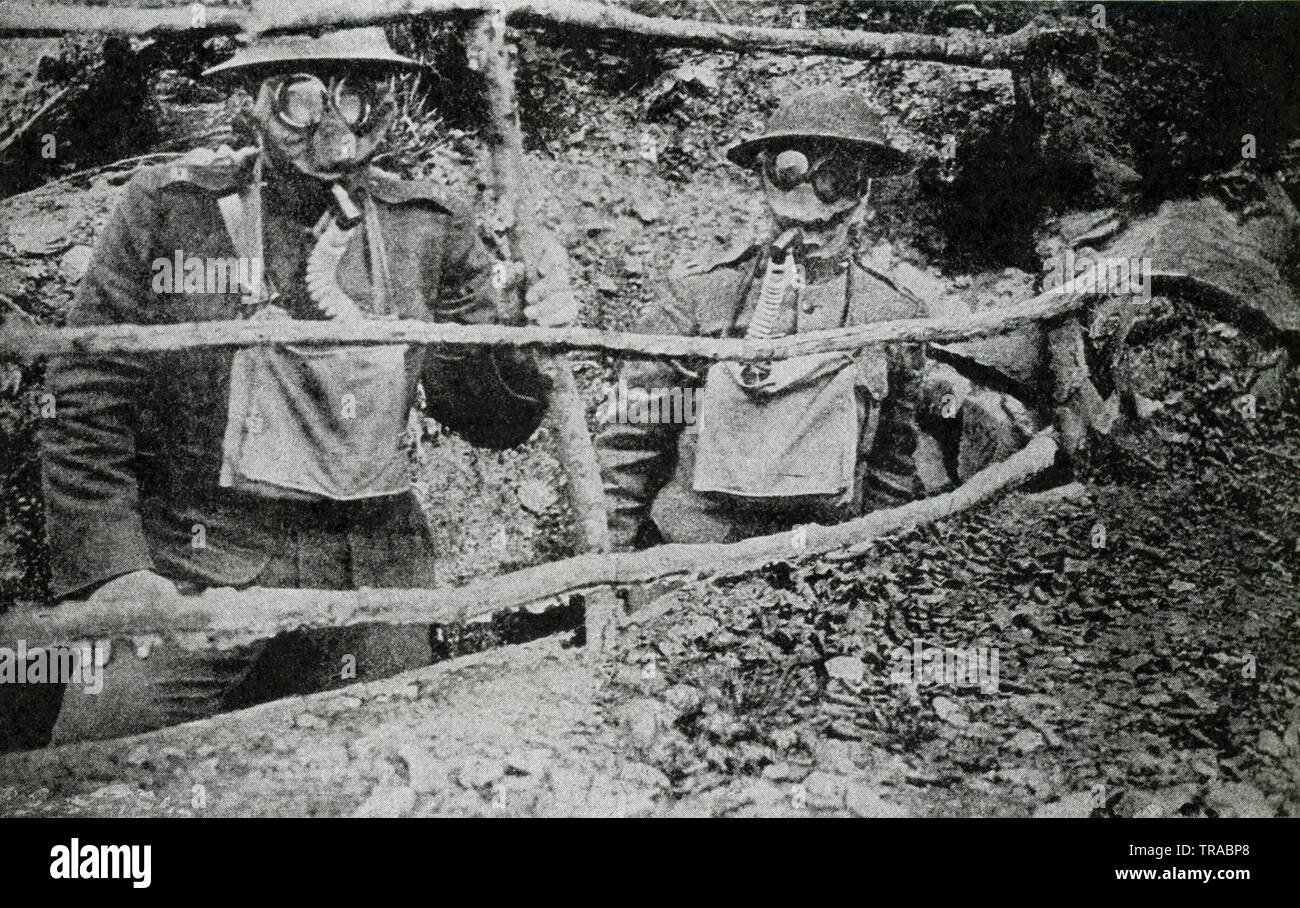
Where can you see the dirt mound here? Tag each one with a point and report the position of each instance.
(510, 732)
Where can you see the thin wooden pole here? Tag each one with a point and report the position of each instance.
(565, 17)
(490, 57)
(26, 342)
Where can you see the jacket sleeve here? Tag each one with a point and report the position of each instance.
(637, 458)
(496, 398)
(88, 448)
(892, 478)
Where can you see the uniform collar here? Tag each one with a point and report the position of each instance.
(825, 257)
(226, 170)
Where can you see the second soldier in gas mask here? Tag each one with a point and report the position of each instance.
(766, 446)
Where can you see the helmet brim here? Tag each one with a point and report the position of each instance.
(269, 62)
(884, 160)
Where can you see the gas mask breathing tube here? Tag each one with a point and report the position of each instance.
(782, 272)
(333, 232)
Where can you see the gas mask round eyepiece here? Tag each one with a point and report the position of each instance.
(788, 168)
(301, 101)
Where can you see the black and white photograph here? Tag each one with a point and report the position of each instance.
(881, 410)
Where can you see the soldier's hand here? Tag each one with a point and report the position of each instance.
(550, 302)
(140, 588)
(551, 307)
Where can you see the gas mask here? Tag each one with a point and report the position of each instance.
(327, 127)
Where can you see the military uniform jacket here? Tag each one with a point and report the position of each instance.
(131, 461)
(647, 467)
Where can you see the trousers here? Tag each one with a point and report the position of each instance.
(145, 689)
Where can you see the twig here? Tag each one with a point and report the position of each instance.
(717, 11)
(1280, 455)
(44, 108)
(19, 309)
(136, 161)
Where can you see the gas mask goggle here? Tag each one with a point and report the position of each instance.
(302, 99)
(833, 176)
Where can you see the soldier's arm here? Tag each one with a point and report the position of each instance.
(496, 398)
(88, 450)
(892, 477)
(636, 459)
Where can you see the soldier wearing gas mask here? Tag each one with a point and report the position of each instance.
(272, 466)
(693, 452)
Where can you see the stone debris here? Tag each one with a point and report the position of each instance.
(387, 801)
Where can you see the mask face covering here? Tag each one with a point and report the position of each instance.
(323, 129)
(804, 188)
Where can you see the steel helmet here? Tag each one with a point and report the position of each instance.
(830, 114)
(367, 47)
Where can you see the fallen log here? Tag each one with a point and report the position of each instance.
(226, 618)
(50, 20)
(568, 17)
(26, 342)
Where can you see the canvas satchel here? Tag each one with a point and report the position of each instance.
(313, 422)
(791, 438)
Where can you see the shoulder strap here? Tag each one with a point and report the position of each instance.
(380, 278)
(242, 214)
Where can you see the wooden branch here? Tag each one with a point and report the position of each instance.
(505, 140)
(27, 343)
(34, 118)
(50, 20)
(1038, 454)
(567, 17)
(489, 54)
(226, 618)
(966, 50)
